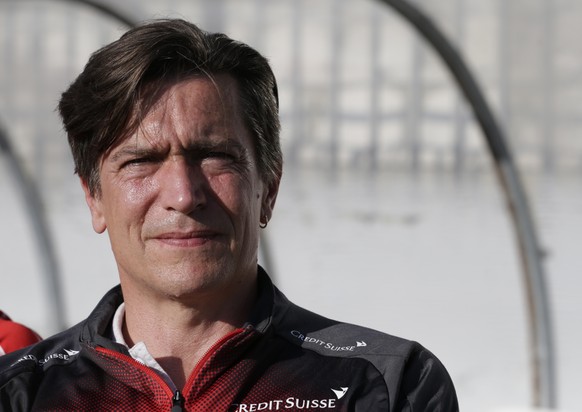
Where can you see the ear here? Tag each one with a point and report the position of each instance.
(96, 208)
(270, 197)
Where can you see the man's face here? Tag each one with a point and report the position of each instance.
(182, 198)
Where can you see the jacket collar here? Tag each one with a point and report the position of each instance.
(96, 329)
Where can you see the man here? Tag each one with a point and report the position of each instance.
(175, 136)
(14, 335)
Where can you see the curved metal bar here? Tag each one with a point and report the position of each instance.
(33, 201)
(541, 334)
(34, 207)
(108, 11)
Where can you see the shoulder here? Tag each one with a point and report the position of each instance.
(413, 374)
(64, 346)
(335, 338)
(44, 366)
(32, 360)
(23, 373)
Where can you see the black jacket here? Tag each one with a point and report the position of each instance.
(285, 358)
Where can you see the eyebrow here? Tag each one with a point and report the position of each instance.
(206, 146)
(131, 152)
(210, 145)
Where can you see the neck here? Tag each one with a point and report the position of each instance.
(165, 325)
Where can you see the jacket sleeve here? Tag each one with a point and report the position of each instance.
(426, 386)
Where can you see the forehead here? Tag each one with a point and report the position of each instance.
(199, 108)
(197, 102)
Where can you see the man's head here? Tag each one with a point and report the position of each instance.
(175, 136)
(108, 100)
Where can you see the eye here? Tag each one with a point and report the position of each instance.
(219, 158)
(138, 161)
(220, 161)
(135, 161)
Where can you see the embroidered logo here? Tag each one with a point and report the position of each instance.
(327, 345)
(293, 403)
(340, 393)
(57, 356)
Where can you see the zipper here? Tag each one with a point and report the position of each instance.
(176, 397)
(177, 402)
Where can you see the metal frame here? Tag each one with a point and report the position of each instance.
(39, 224)
(541, 334)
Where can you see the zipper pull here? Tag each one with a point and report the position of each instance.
(177, 402)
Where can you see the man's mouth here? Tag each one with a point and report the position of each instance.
(186, 239)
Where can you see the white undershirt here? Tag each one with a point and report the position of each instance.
(139, 351)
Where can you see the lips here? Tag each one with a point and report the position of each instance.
(186, 239)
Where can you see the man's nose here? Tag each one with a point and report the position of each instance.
(182, 186)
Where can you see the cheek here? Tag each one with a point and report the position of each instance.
(237, 195)
(136, 195)
(130, 201)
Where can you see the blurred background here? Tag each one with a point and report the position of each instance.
(390, 213)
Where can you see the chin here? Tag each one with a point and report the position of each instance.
(195, 282)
